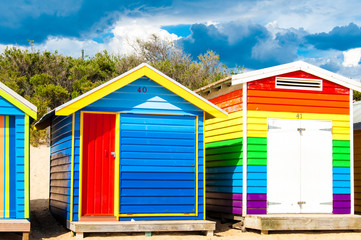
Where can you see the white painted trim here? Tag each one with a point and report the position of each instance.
(296, 66)
(244, 118)
(18, 97)
(351, 155)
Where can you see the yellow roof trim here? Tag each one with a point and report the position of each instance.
(140, 71)
(18, 104)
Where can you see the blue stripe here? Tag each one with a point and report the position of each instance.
(256, 189)
(256, 169)
(341, 184)
(342, 170)
(343, 190)
(213, 176)
(12, 167)
(225, 169)
(256, 183)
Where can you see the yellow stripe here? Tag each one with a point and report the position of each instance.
(224, 129)
(234, 115)
(26, 167)
(306, 116)
(18, 104)
(7, 171)
(224, 137)
(197, 149)
(144, 71)
(72, 168)
(204, 170)
(220, 125)
(80, 164)
(157, 215)
(257, 122)
(117, 165)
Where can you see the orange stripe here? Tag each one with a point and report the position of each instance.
(297, 109)
(298, 102)
(2, 190)
(296, 95)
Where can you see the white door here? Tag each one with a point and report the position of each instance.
(316, 166)
(299, 166)
(283, 153)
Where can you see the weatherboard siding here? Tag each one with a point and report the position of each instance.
(155, 102)
(60, 166)
(144, 96)
(357, 169)
(265, 101)
(224, 156)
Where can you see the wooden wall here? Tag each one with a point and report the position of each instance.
(224, 156)
(143, 97)
(14, 162)
(357, 169)
(60, 166)
(266, 101)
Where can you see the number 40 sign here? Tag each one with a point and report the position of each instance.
(142, 90)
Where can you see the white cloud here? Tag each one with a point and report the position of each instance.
(352, 57)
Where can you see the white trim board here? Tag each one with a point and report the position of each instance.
(296, 66)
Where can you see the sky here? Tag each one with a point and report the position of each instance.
(250, 33)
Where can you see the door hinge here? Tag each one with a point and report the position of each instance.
(326, 129)
(326, 203)
(273, 127)
(273, 203)
(113, 153)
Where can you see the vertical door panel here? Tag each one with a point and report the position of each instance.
(98, 164)
(316, 166)
(283, 176)
(158, 164)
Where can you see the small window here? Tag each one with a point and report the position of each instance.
(299, 83)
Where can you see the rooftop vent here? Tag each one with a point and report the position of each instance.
(299, 83)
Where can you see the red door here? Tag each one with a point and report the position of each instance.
(98, 164)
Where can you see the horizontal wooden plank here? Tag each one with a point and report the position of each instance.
(14, 225)
(289, 101)
(143, 226)
(303, 222)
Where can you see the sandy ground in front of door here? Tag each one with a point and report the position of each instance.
(44, 226)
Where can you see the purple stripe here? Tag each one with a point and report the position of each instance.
(341, 211)
(341, 197)
(237, 203)
(257, 196)
(342, 204)
(256, 211)
(234, 196)
(257, 204)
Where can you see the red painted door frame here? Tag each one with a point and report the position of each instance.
(98, 164)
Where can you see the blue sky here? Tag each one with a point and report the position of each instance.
(250, 33)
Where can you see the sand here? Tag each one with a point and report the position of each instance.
(44, 226)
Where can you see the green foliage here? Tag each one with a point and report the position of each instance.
(50, 79)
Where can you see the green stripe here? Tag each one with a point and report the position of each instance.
(223, 156)
(257, 151)
(226, 163)
(231, 150)
(234, 148)
(224, 153)
(341, 153)
(224, 143)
